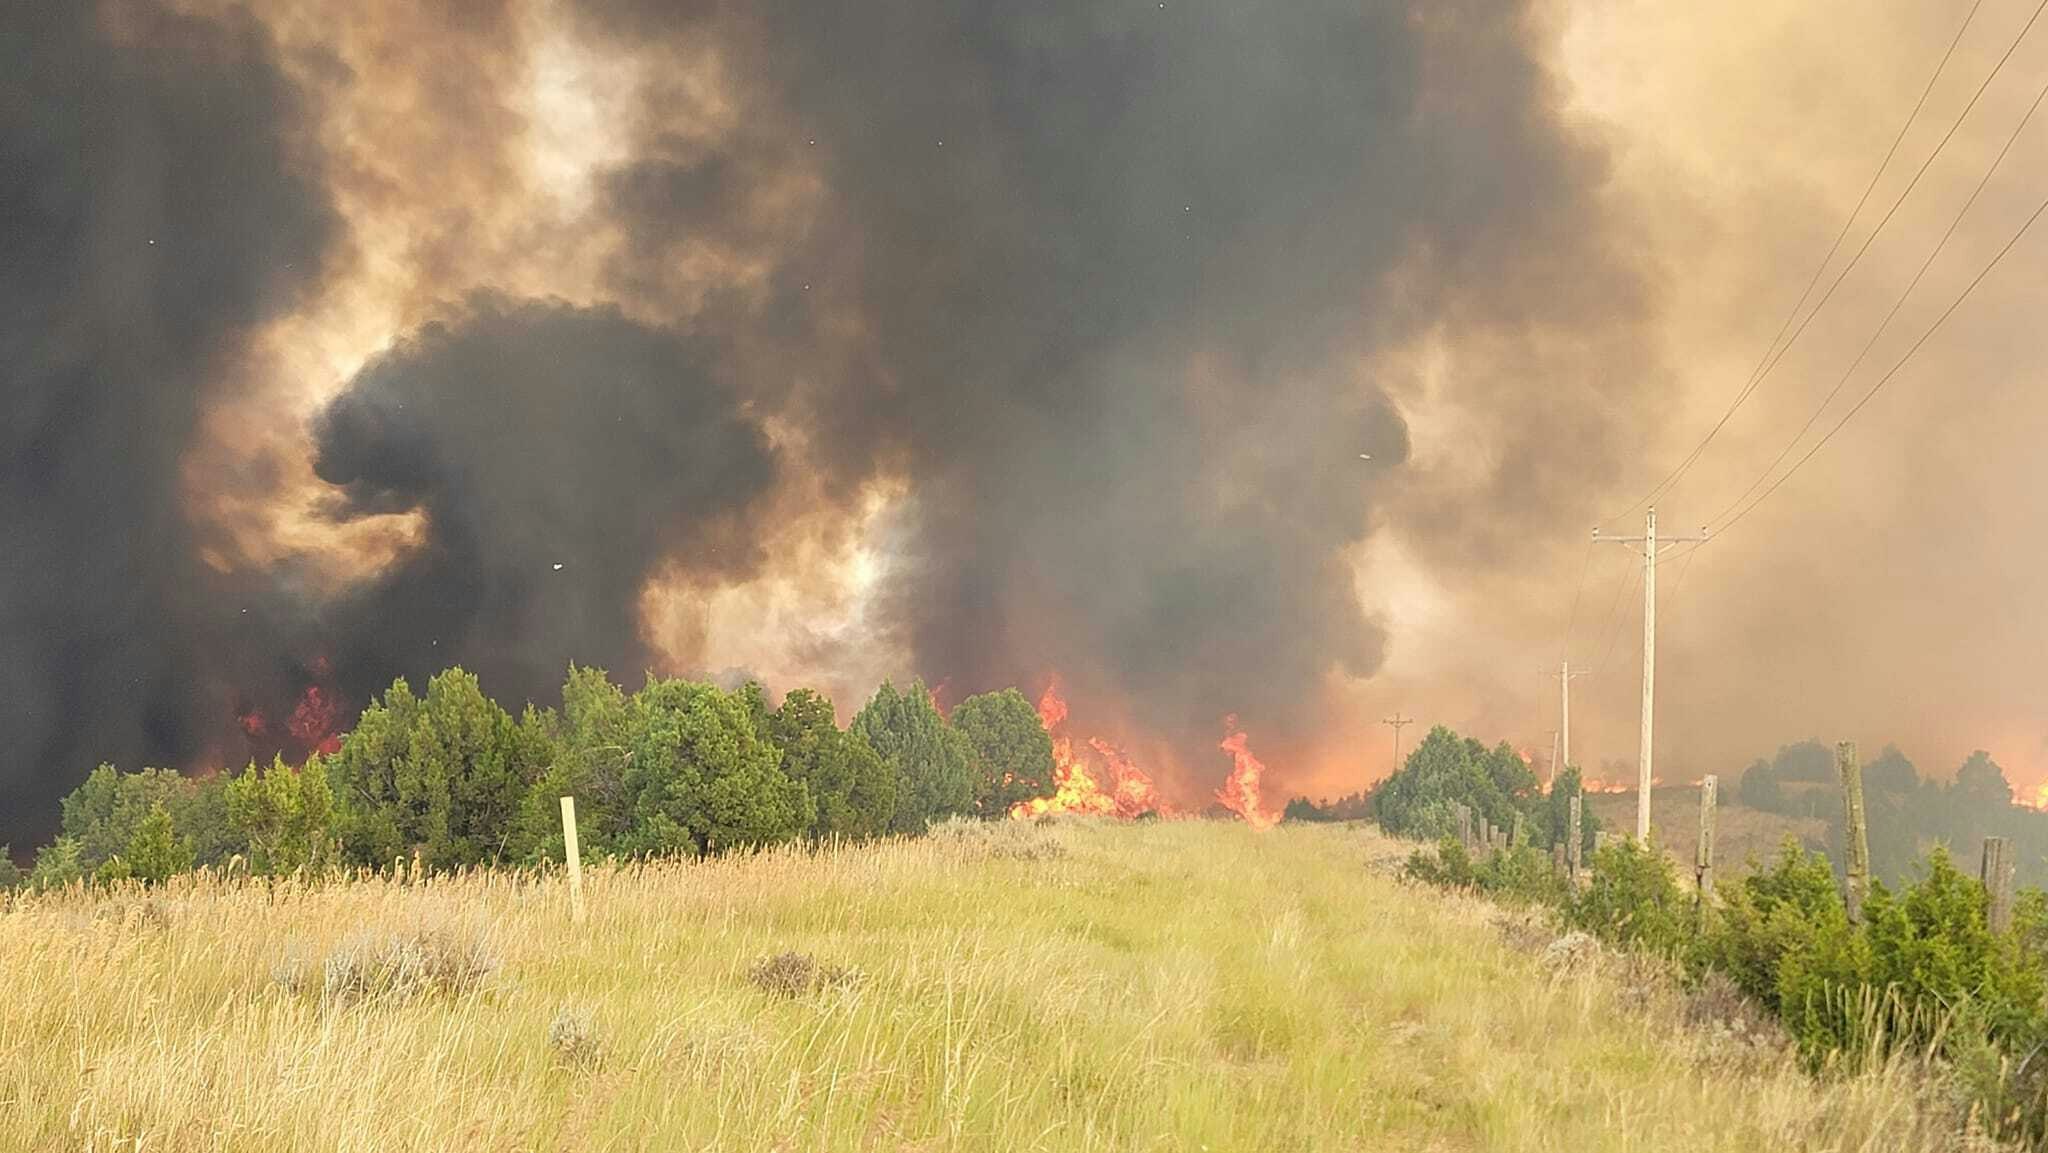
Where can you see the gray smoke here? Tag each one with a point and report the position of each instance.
(155, 204)
(558, 455)
(1124, 270)
(1110, 288)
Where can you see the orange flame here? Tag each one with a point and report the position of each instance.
(1240, 792)
(1076, 788)
(1594, 786)
(312, 722)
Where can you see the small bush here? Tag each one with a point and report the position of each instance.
(435, 962)
(573, 1038)
(1449, 866)
(795, 974)
(1573, 953)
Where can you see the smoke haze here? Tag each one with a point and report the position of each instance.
(981, 341)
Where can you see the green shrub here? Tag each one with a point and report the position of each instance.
(1770, 914)
(1932, 946)
(1634, 900)
(1523, 876)
(1448, 866)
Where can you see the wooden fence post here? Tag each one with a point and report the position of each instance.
(574, 858)
(1601, 839)
(1575, 839)
(1996, 874)
(1703, 859)
(1557, 865)
(1519, 836)
(1465, 826)
(1855, 836)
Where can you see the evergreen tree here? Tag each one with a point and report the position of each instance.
(853, 791)
(930, 759)
(58, 864)
(700, 778)
(1012, 750)
(283, 813)
(447, 774)
(156, 852)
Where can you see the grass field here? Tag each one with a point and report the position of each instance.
(1740, 834)
(1170, 986)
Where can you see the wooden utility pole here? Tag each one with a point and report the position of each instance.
(574, 857)
(1398, 722)
(1574, 845)
(1996, 874)
(1565, 674)
(1855, 837)
(1650, 550)
(1703, 859)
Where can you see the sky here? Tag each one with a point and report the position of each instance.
(1268, 360)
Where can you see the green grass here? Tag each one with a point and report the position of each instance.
(1170, 986)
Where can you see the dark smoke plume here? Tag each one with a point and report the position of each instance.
(155, 204)
(1124, 269)
(559, 455)
(1108, 291)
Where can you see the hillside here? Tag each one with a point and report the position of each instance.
(1742, 833)
(1171, 986)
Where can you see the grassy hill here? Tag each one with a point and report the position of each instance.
(1742, 833)
(1171, 986)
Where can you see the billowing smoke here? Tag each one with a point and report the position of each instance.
(1113, 298)
(558, 455)
(156, 204)
(1125, 273)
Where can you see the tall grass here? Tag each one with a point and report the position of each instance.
(1170, 986)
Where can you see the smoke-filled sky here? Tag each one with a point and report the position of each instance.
(986, 341)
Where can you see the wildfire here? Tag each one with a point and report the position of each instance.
(2039, 799)
(1240, 792)
(1619, 786)
(311, 726)
(1123, 790)
(312, 722)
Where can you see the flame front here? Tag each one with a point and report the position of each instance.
(312, 722)
(1129, 793)
(1240, 792)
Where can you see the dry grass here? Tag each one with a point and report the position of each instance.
(1740, 834)
(1171, 986)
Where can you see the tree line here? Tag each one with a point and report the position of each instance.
(1907, 815)
(1445, 771)
(677, 767)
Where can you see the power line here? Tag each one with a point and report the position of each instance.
(1585, 566)
(1767, 362)
(1885, 323)
(1894, 370)
(1627, 581)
